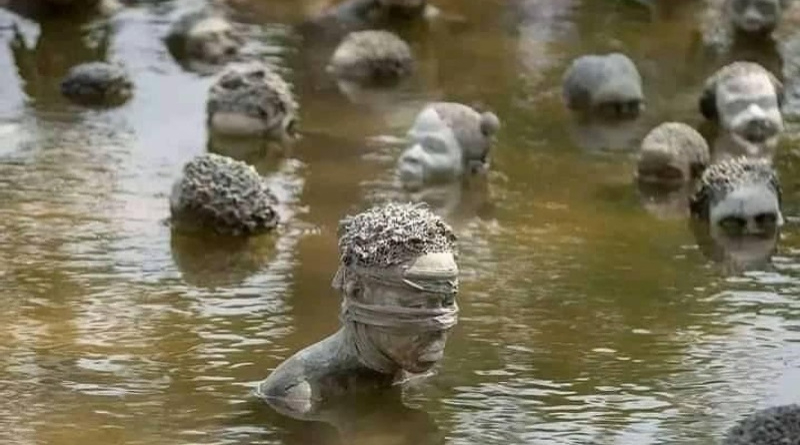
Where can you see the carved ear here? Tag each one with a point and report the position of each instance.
(778, 89)
(490, 123)
(708, 101)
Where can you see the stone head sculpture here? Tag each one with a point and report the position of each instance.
(224, 195)
(745, 99)
(250, 99)
(97, 83)
(448, 140)
(371, 58)
(398, 279)
(755, 17)
(671, 155)
(205, 36)
(778, 425)
(607, 86)
(739, 197)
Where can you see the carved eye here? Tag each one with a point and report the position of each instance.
(766, 220)
(449, 300)
(733, 225)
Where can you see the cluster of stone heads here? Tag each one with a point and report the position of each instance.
(398, 274)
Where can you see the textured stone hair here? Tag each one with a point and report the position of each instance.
(256, 90)
(97, 82)
(225, 195)
(708, 100)
(393, 234)
(372, 56)
(723, 177)
(778, 425)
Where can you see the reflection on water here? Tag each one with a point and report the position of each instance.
(590, 313)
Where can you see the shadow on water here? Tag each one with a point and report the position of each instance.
(590, 313)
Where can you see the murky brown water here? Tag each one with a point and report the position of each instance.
(585, 319)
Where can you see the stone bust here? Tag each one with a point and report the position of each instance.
(398, 278)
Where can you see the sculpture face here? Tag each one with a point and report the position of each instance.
(435, 155)
(671, 155)
(755, 16)
(607, 86)
(748, 108)
(212, 39)
(751, 209)
(425, 303)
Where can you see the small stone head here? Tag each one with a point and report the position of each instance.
(399, 280)
(755, 17)
(97, 83)
(249, 99)
(204, 36)
(607, 86)
(745, 99)
(671, 155)
(778, 425)
(739, 197)
(226, 196)
(435, 155)
(372, 58)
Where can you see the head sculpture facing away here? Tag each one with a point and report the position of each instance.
(606, 86)
(672, 154)
(448, 140)
(372, 57)
(745, 99)
(739, 197)
(250, 99)
(223, 195)
(203, 35)
(755, 17)
(398, 278)
(778, 425)
(97, 83)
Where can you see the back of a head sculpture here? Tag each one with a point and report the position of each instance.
(779, 425)
(372, 57)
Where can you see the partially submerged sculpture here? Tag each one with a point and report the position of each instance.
(97, 83)
(739, 196)
(726, 21)
(37, 8)
(249, 99)
(672, 154)
(607, 86)
(372, 57)
(354, 15)
(778, 425)
(223, 195)
(448, 141)
(399, 279)
(745, 100)
(205, 36)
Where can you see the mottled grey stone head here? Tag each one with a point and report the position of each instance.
(779, 425)
(399, 279)
(97, 83)
(393, 234)
(740, 196)
(672, 154)
(372, 57)
(435, 155)
(755, 17)
(604, 85)
(249, 99)
(745, 99)
(224, 195)
(203, 35)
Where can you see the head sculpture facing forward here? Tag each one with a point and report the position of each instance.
(607, 86)
(745, 99)
(778, 425)
(754, 17)
(671, 155)
(448, 140)
(739, 197)
(398, 278)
